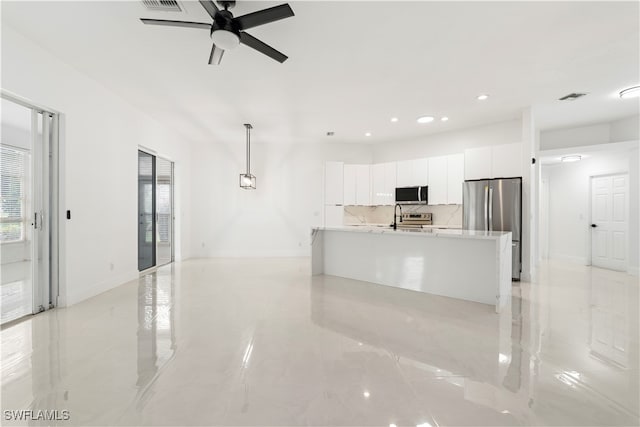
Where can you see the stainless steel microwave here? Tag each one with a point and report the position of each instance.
(412, 195)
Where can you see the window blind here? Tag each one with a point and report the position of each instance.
(12, 194)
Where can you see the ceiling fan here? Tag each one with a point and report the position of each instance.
(228, 32)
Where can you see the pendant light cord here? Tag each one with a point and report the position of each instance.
(249, 127)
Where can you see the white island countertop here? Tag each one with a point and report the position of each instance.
(419, 232)
(464, 264)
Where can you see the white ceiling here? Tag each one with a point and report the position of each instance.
(354, 65)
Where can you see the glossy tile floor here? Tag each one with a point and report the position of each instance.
(260, 342)
(16, 296)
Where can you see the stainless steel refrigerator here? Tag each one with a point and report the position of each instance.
(495, 205)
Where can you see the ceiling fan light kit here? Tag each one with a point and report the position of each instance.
(248, 181)
(228, 32)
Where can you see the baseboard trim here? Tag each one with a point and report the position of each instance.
(98, 288)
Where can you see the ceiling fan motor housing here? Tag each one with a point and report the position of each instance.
(227, 4)
(224, 21)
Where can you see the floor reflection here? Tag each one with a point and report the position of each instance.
(16, 295)
(212, 342)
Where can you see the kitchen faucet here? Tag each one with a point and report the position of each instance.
(395, 209)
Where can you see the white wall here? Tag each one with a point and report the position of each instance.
(452, 142)
(627, 129)
(570, 203)
(101, 133)
(276, 218)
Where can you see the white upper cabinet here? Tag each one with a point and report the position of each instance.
(411, 173)
(390, 172)
(383, 183)
(377, 184)
(333, 183)
(404, 173)
(363, 185)
(420, 175)
(477, 163)
(438, 180)
(455, 178)
(349, 185)
(506, 161)
(497, 161)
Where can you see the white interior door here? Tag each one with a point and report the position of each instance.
(609, 207)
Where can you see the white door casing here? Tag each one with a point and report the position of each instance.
(609, 217)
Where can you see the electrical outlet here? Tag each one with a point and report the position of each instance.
(111, 266)
(203, 244)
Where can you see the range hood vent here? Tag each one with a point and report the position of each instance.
(571, 97)
(163, 5)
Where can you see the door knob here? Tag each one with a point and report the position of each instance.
(594, 225)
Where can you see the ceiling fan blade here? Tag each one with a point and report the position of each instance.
(176, 23)
(210, 7)
(264, 16)
(262, 47)
(216, 55)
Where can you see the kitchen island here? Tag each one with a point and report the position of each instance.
(464, 264)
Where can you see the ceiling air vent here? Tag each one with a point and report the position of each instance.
(571, 97)
(164, 5)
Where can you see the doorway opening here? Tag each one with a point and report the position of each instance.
(28, 209)
(155, 211)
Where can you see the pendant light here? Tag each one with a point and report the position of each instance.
(248, 181)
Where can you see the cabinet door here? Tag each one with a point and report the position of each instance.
(377, 184)
(420, 172)
(477, 163)
(455, 178)
(506, 161)
(404, 173)
(333, 183)
(349, 185)
(389, 189)
(333, 216)
(438, 180)
(363, 185)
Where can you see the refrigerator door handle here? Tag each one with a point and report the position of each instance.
(490, 208)
(486, 200)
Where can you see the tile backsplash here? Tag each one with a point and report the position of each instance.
(449, 215)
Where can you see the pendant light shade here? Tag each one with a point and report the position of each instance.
(248, 181)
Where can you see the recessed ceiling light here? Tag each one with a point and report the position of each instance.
(425, 119)
(631, 92)
(394, 119)
(366, 394)
(482, 97)
(575, 158)
(444, 119)
(367, 134)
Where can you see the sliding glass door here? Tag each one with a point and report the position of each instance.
(155, 211)
(28, 204)
(164, 208)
